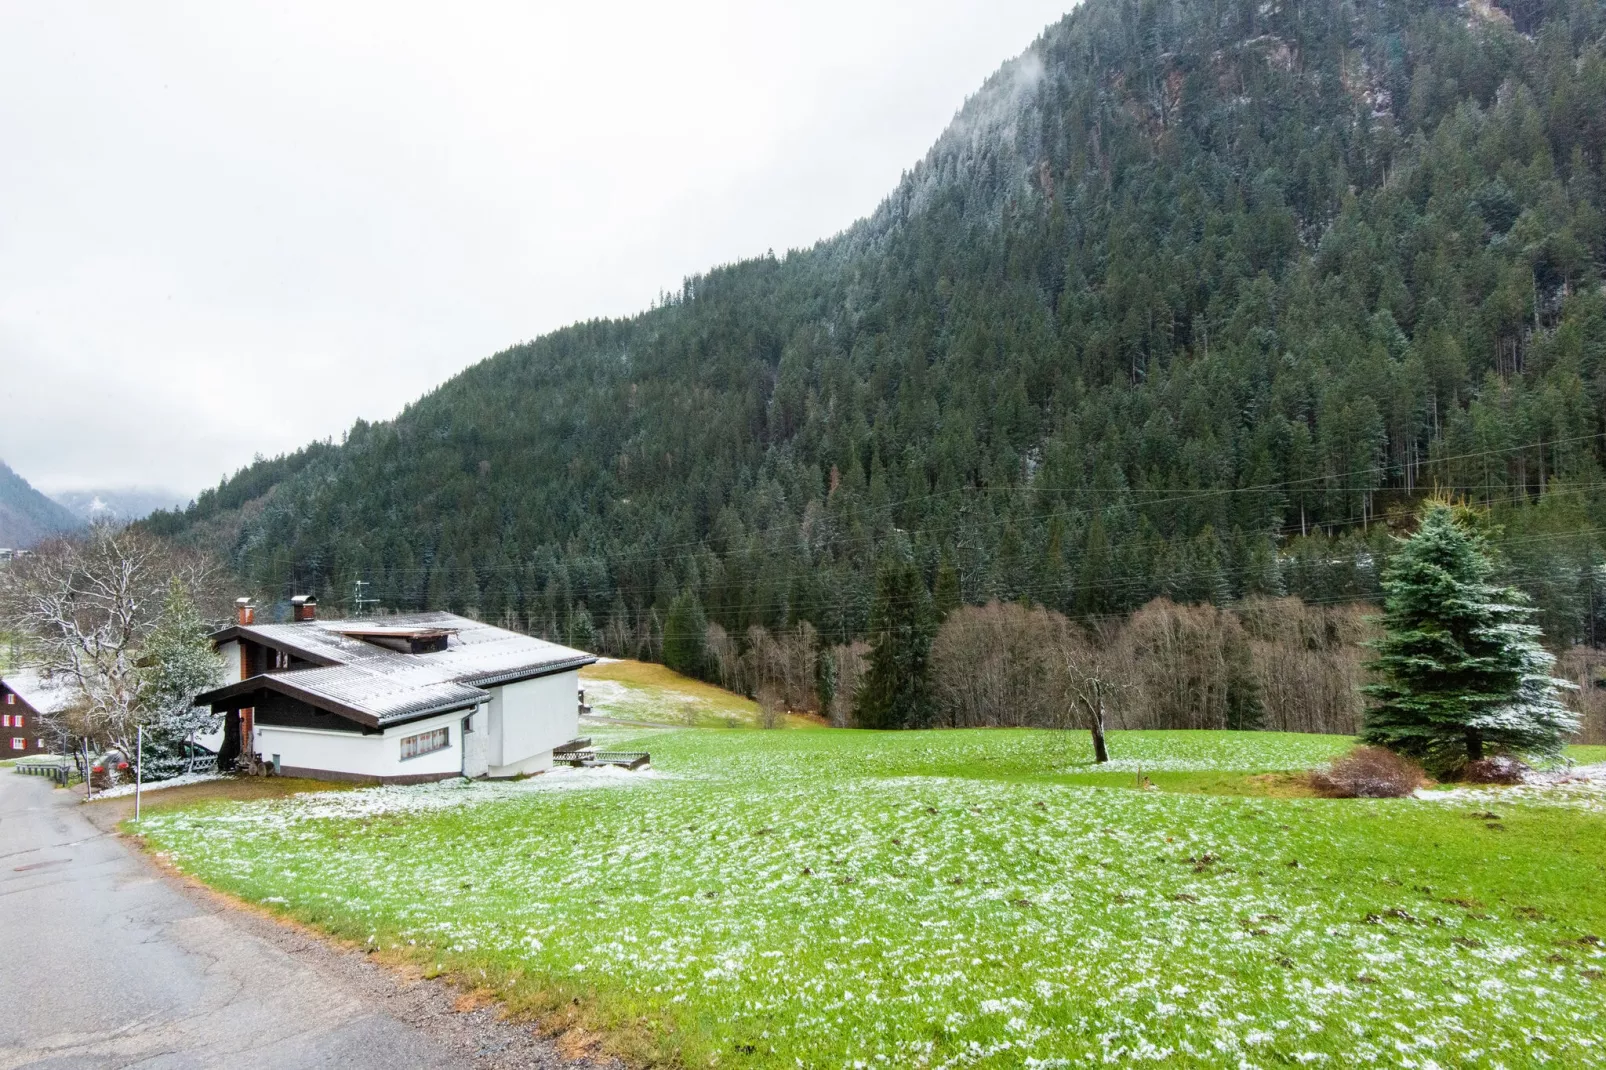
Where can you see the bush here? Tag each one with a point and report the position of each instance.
(1369, 773)
(1501, 769)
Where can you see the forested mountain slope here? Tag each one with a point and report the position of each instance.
(27, 516)
(1188, 300)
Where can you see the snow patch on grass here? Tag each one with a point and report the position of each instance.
(936, 899)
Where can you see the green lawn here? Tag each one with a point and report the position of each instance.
(832, 898)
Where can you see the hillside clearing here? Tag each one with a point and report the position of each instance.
(643, 693)
(956, 899)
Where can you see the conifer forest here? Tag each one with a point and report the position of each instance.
(1191, 301)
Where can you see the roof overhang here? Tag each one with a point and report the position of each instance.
(514, 676)
(285, 685)
(237, 631)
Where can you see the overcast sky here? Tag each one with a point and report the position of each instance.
(228, 229)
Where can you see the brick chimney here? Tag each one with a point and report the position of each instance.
(245, 612)
(303, 607)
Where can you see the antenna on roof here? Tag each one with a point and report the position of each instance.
(359, 604)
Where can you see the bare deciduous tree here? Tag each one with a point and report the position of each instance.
(1277, 663)
(1309, 663)
(771, 706)
(1585, 666)
(1093, 676)
(1190, 663)
(998, 666)
(85, 605)
(851, 660)
(727, 659)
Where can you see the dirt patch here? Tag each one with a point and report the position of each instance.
(107, 813)
(1285, 785)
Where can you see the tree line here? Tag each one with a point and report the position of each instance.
(1277, 664)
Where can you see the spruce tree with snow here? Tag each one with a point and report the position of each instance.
(1462, 672)
(176, 663)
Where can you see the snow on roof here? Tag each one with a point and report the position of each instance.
(384, 685)
(43, 695)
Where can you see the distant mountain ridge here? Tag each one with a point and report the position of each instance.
(118, 505)
(1194, 300)
(26, 515)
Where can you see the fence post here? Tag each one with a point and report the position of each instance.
(139, 766)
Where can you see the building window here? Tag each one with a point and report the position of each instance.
(16, 720)
(5, 720)
(18, 743)
(281, 660)
(425, 743)
(11, 699)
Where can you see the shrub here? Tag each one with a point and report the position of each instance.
(1369, 773)
(1501, 769)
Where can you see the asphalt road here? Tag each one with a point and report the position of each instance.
(106, 963)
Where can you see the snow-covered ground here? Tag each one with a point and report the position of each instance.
(157, 785)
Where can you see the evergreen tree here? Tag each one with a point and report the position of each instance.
(1462, 670)
(177, 663)
(947, 597)
(1093, 594)
(684, 631)
(582, 632)
(825, 681)
(895, 693)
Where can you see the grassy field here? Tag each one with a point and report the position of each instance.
(943, 899)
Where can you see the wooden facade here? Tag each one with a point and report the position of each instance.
(22, 727)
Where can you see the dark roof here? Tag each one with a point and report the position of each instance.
(379, 685)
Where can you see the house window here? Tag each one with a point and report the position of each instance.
(425, 743)
(281, 660)
(11, 699)
(18, 743)
(5, 720)
(16, 720)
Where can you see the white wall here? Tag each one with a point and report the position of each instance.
(228, 673)
(231, 672)
(476, 744)
(529, 718)
(365, 755)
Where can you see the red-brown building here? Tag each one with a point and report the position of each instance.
(26, 699)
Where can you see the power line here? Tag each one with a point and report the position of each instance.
(661, 550)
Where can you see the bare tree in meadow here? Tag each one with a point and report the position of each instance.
(1094, 677)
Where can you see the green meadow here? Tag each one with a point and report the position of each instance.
(829, 898)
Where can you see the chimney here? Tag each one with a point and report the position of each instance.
(303, 607)
(245, 612)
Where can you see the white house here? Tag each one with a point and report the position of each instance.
(399, 699)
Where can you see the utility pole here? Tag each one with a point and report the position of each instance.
(359, 604)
